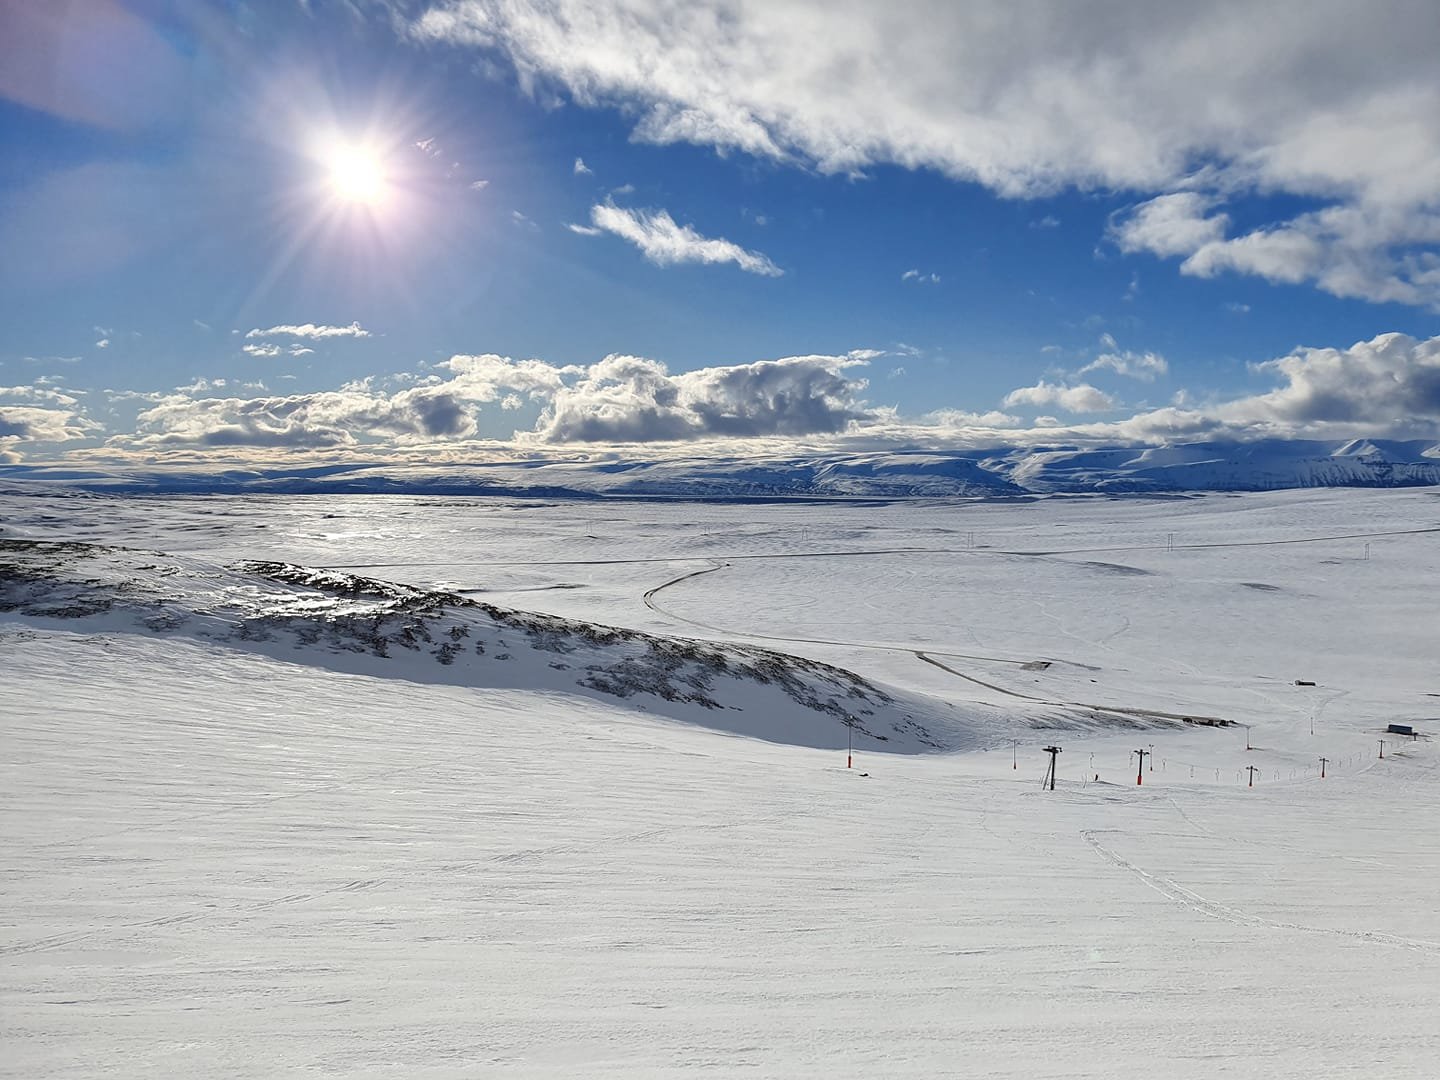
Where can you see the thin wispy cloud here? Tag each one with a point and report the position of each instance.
(1144, 366)
(665, 243)
(310, 330)
(581, 169)
(920, 278)
(268, 349)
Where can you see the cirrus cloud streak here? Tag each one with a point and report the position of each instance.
(664, 242)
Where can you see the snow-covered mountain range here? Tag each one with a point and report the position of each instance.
(1261, 465)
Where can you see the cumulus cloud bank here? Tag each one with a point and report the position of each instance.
(1194, 104)
(621, 399)
(336, 418)
(1388, 387)
(665, 243)
(35, 423)
(630, 399)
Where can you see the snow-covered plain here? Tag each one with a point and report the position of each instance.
(228, 860)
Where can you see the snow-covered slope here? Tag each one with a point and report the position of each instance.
(349, 623)
(1255, 466)
(1261, 465)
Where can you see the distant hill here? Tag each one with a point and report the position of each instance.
(1261, 465)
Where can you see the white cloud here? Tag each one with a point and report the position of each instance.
(581, 169)
(1366, 253)
(618, 399)
(321, 420)
(524, 221)
(666, 243)
(1389, 380)
(1387, 387)
(261, 350)
(311, 330)
(630, 399)
(26, 423)
(1082, 398)
(103, 343)
(39, 393)
(201, 385)
(959, 418)
(584, 230)
(919, 278)
(1178, 224)
(1319, 99)
(1143, 366)
(479, 185)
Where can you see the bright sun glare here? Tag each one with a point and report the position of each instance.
(355, 175)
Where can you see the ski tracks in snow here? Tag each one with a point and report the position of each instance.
(1189, 898)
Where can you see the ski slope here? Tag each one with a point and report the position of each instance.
(227, 860)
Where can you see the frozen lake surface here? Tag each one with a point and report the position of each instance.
(226, 857)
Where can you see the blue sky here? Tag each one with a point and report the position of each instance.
(904, 223)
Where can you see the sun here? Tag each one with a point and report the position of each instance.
(356, 175)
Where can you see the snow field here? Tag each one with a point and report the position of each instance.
(225, 864)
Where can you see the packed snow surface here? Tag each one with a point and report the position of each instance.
(258, 820)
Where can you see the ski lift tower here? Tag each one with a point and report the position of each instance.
(1050, 773)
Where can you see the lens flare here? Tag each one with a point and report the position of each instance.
(356, 175)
